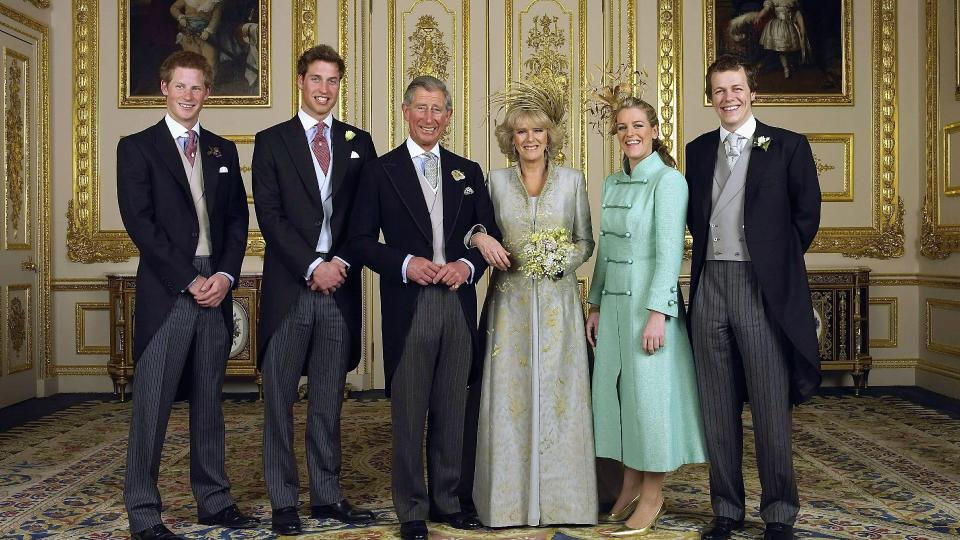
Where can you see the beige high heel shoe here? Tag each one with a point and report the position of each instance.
(626, 532)
(622, 515)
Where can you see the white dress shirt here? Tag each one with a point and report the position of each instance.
(745, 131)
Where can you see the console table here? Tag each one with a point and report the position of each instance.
(243, 351)
(840, 306)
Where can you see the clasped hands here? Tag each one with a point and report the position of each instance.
(426, 272)
(328, 276)
(209, 291)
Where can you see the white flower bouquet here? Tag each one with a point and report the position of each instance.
(546, 253)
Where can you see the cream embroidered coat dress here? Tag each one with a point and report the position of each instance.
(651, 422)
(535, 461)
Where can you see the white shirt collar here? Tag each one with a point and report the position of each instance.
(745, 131)
(309, 121)
(416, 151)
(177, 130)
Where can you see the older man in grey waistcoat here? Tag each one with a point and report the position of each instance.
(754, 210)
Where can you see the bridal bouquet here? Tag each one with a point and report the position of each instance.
(546, 253)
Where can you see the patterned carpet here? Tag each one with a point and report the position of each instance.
(869, 467)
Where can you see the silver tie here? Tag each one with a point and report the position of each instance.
(732, 144)
(431, 169)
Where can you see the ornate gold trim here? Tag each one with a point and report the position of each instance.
(40, 3)
(17, 149)
(845, 97)
(948, 189)
(18, 326)
(956, 47)
(937, 368)
(893, 326)
(82, 284)
(895, 363)
(846, 139)
(885, 238)
(937, 241)
(80, 328)
(261, 100)
(951, 305)
(82, 370)
(670, 74)
(304, 36)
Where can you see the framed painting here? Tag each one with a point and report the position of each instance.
(801, 48)
(233, 35)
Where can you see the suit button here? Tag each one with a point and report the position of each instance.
(629, 293)
(627, 235)
(195, 235)
(715, 239)
(672, 303)
(318, 223)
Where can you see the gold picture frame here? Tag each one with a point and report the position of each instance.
(845, 139)
(238, 49)
(821, 55)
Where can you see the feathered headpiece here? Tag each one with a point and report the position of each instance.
(531, 97)
(608, 89)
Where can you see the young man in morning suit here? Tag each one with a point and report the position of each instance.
(183, 203)
(425, 199)
(754, 210)
(305, 177)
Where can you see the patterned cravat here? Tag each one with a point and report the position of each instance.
(732, 144)
(320, 148)
(431, 169)
(190, 147)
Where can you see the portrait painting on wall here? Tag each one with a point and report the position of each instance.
(801, 48)
(233, 35)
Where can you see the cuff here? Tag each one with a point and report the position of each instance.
(345, 263)
(664, 301)
(472, 269)
(478, 228)
(313, 266)
(403, 269)
(192, 281)
(229, 277)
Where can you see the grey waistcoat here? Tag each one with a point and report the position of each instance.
(195, 177)
(435, 207)
(726, 217)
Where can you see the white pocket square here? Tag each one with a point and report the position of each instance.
(468, 191)
(224, 169)
(354, 155)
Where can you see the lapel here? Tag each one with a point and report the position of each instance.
(759, 163)
(299, 150)
(340, 148)
(399, 170)
(704, 171)
(211, 168)
(170, 156)
(452, 190)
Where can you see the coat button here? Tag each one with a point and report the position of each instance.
(713, 225)
(715, 239)
(603, 292)
(629, 293)
(606, 259)
(318, 223)
(630, 261)
(627, 235)
(195, 235)
(672, 303)
(603, 206)
(603, 233)
(629, 206)
(673, 289)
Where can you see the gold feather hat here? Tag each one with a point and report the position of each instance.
(606, 91)
(527, 96)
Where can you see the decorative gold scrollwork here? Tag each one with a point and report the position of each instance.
(431, 56)
(13, 127)
(17, 325)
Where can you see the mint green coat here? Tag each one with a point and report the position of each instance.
(652, 421)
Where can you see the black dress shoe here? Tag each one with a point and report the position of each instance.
(286, 522)
(778, 531)
(721, 528)
(459, 520)
(342, 511)
(413, 530)
(232, 518)
(157, 532)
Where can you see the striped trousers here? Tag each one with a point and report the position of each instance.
(314, 332)
(430, 385)
(740, 353)
(189, 330)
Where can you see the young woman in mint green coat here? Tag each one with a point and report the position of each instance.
(651, 421)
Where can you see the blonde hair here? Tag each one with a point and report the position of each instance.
(538, 118)
(651, 114)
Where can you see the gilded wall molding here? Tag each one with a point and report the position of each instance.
(895, 363)
(931, 342)
(80, 328)
(669, 71)
(19, 327)
(17, 92)
(885, 238)
(893, 324)
(936, 368)
(81, 284)
(937, 240)
(847, 167)
(40, 3)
